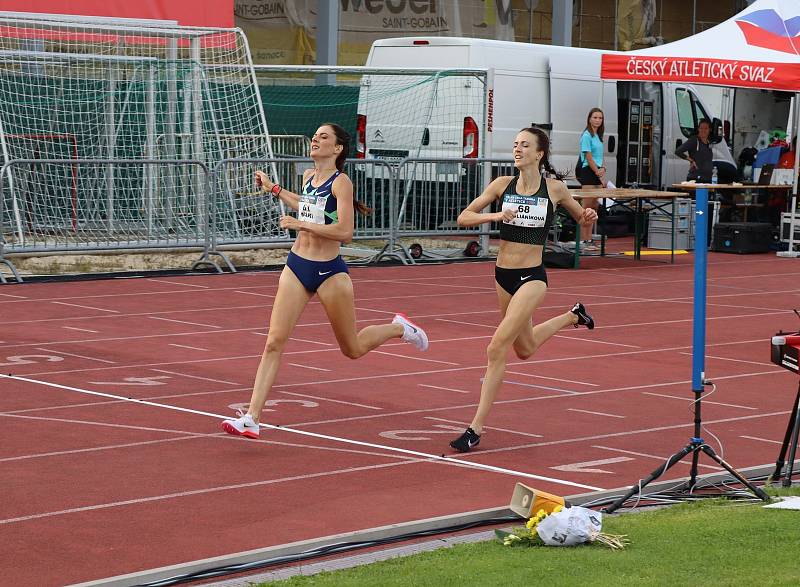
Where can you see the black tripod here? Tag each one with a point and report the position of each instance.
(695, 446)
(790, 443)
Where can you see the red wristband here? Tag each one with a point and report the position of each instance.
(276, 189)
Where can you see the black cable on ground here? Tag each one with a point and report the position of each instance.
(321, 551)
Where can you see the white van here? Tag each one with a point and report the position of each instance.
(547, 86)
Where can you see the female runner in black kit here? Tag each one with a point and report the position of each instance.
(528, 205)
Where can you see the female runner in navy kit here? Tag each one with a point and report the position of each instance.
(528, 204)
(325, 219)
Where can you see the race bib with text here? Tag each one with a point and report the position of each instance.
(531, 210)
(311, 208)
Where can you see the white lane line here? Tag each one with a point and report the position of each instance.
(183, 322)
(6, 295)
(326, 399)
(520, 383)
(195, 377)
(630, 346)
(432, 457)
(462, 323)
(76, 356)
(186, 435)
(86, 307)
(705, 401)
(649, 456)
(759, 363)
(414, 358)
(594, 413)
(184, 346)
(254, 293)
(517, 432)
(94, 423)
(310, 341)
(360, 309)
(180, 283)
(687, 425)
(761, 439)
(552, 378)
(75, 451)
(518, 400)
(208, 490)
(443, 388)
(308, 367)
(181, 396)
(437, 283)
(482, 367)
(80, 329)
(611, 271)
(462, 338)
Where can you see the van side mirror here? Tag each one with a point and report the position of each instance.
(716, 131)
(612, 143)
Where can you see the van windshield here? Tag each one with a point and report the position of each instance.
(690, 111)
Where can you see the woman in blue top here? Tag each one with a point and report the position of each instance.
(325, 220)
(528, 201)
(591, 173)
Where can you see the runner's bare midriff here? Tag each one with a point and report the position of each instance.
(518, 255)
(315, 248)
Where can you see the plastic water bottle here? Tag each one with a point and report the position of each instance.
(714, 176)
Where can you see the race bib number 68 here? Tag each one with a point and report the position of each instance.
(531, 211)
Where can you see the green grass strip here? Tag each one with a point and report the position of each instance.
(715, 542)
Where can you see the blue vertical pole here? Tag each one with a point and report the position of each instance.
(700, 270)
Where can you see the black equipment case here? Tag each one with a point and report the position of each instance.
(742, 237)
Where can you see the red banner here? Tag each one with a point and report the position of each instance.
(208, 13)
(720, 72)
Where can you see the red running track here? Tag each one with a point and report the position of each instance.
(94, 487)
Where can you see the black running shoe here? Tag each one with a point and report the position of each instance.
(470, 439)
(583, 318)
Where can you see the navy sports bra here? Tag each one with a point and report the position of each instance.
(534, 216)
(318, 204)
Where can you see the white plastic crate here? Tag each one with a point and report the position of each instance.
(664, 223)
(683, 206)
(662, 240)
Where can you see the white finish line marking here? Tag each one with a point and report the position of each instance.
(433, 457)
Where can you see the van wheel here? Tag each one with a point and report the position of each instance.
(416, 251)
(472, 249)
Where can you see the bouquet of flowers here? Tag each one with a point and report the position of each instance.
(562, 527)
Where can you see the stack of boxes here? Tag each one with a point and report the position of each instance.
(660, 224)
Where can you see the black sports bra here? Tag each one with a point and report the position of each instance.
(534, 216)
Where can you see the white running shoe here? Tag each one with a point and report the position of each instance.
(411, 332)
(244, 425)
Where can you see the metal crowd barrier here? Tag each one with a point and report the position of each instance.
(242, 216)
(52, 206)
(431, 193)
